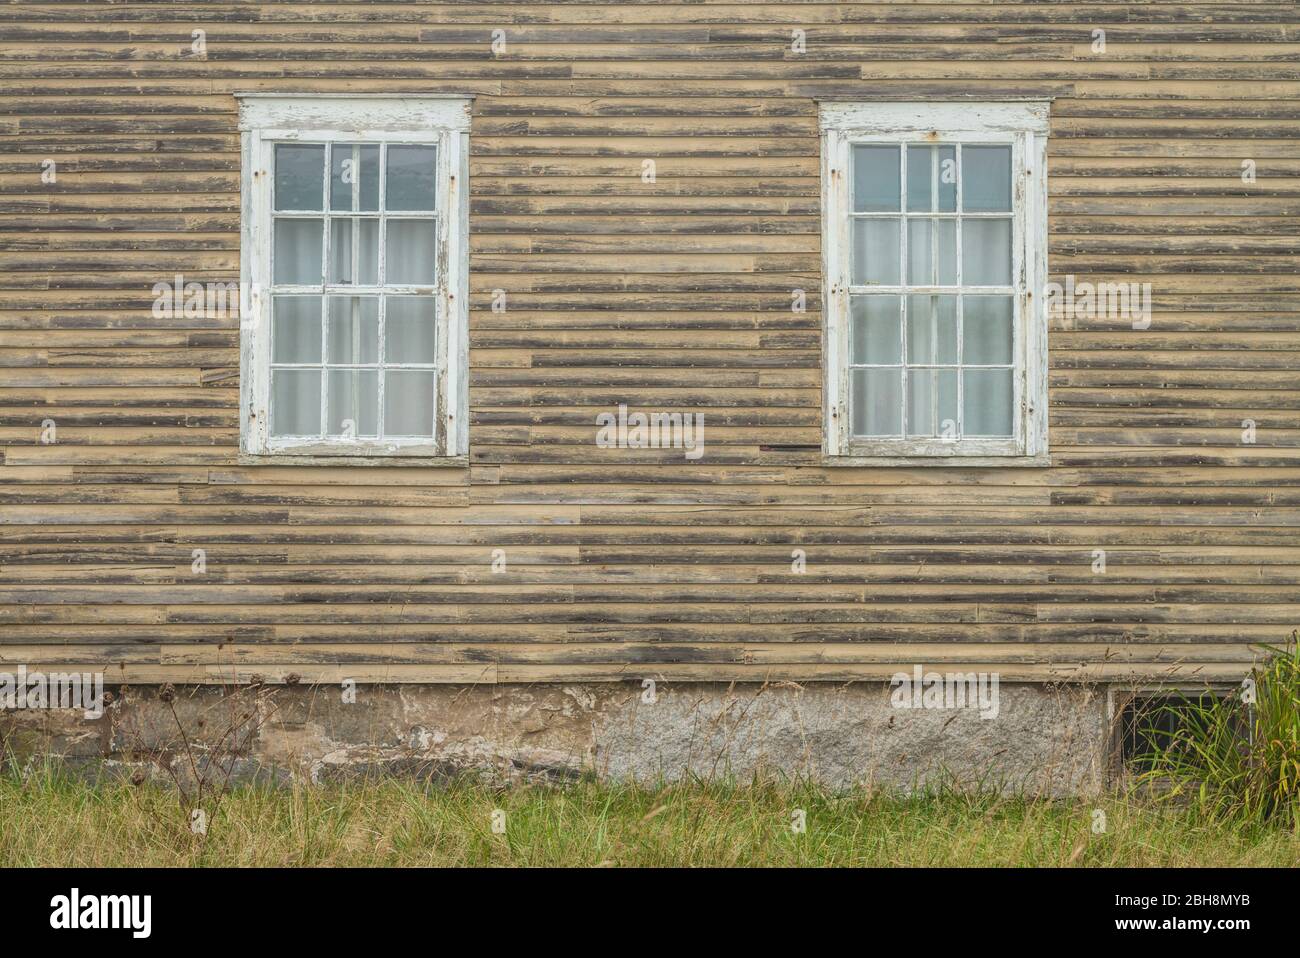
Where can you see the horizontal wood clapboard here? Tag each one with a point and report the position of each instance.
(675, 295)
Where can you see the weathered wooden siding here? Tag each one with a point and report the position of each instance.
(673, 295)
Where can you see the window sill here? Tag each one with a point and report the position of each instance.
(949, 462)
(311, 459)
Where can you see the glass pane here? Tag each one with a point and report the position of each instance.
(344, 172)
(297, 252)
(932, 403)
(920, 330)
(925, 239)
(409, 254)
(342, 234)
(987, 184)
(875, 179)
(946, 266)
(875, 252)
(299, 176)
(875, 334)
(340, 266)
(987, 401)
(295, 402)
(931, 329)
(368, 252)
(354, 174)
(931, 179)
(945, 328)
(920, 403)
(986, 252)
(408, 402)
(986, 329)
(296, 329)
(354, 329)
(353, 402)
(945, 393)
(409, 328)
(876, 402)
(412, 178)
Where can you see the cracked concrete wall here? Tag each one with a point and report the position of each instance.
(1044, 740)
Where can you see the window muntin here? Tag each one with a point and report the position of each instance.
(931, 300)
(934, 236)
(353, 307)
(354, 260)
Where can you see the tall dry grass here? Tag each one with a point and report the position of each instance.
(49, 819)
(1235, 758)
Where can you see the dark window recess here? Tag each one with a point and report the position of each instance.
(1151, 722)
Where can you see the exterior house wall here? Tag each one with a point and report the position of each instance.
(671, 295)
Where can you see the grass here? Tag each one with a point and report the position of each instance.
(1236, 757)
(48, 819)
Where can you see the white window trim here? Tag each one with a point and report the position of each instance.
(265, 119)
(1025, 126)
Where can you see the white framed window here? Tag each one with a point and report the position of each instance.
(935, 254)
(354, 283)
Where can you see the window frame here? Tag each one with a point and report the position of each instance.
(443, 121)
(1023, 125)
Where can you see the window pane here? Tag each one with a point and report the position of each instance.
(353, 402)
(875, 252)
(875, 179)
(340, 267)
(875, 335)
(986, 329)
(299, 176)
(986, 252)
(987, 184)
(409, 326)
(297, 252)
(945, 393)
(344, 170)
(354, 329)
(931, 329)
(923, 268)
(931, 179)
(920, 330)
(369, 183)
(920, 402)
(987, 402)
(365, 232)
(408, 402)
(876, 401)
(296, 330)
(945, 328)
(412, 178)
(932, 403)
(368, 255)
(409, 254)
(295, 402)
(354, 173)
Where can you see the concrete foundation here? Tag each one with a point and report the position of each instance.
(1044, 740)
